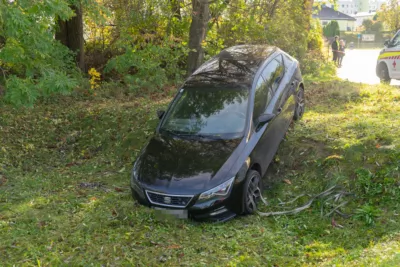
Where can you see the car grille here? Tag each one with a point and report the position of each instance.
(179, 201)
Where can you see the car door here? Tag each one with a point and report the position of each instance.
(284, 88)
(265, 102)
(273, 74)
(391, 56)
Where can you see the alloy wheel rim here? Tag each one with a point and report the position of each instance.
(383, 73)
(253, 193)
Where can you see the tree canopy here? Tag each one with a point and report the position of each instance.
(390, 15)
(331, 29)
(53, 46)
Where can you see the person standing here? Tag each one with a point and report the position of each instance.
(335, 48)
(341, 52)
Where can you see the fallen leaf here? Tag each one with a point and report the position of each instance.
(118, 189)
(378, 146)
(174, 246)
(114, 212)
(3, 179)
(287, 181)
(41, 224)
(333, 222)
(163, 258)
(70, 164)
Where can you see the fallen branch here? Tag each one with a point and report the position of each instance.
(293, 200)
(331, 193)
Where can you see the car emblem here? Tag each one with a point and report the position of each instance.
(167, 200)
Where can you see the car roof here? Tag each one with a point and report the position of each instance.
(234, 66)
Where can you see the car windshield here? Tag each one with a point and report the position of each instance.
(206, 112)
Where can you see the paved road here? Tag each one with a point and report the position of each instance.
(359, 66)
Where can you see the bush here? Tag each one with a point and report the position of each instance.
(331, 29)
(150, 66)
(314, 40)
(315, 66)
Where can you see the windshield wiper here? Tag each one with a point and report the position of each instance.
(213, 137)
(192, 135)
(171, 132)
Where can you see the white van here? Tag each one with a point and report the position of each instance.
(388, 64)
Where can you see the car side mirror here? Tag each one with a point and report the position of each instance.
(387, 42)
(264, 119)
(160, 114)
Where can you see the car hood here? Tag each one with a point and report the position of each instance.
(181, 166)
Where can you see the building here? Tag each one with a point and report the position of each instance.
(327, 14)
(351, 7)
(361, 16)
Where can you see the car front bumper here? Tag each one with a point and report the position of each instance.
(213, 210)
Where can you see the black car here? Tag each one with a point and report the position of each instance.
(219, 134)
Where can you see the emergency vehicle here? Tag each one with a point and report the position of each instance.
(388, 65)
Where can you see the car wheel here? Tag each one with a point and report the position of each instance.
(300, 104)
(384, 74)
(251, 192)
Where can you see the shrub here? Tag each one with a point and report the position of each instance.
(149, 66)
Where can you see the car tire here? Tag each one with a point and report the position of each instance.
(300, 105)
(384, 74)
(251, 192)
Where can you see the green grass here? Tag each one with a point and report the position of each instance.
(65, 199)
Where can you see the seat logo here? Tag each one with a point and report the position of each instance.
(167, 200)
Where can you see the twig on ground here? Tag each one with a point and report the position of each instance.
(337, 207)
(293, 200)
(331, 193)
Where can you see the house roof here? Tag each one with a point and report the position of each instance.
(327, 13)
(364, 14)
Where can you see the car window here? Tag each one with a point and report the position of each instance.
(261, 98)
(395, 41)
(273, 73)
(208, 112)
(287, 61)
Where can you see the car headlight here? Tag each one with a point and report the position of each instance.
(135, 184)
(221, 190)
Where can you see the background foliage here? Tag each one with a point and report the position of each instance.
(390, 15)
(134, 43)
(331, 29)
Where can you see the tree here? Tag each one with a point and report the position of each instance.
(197, 34)
(331, 29)
(70, 34)
(367, 24)
(390, 15)
(140, 43)
(377, 27)
(32, 63)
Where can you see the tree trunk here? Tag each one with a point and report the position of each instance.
(197, 34)
(70, 34)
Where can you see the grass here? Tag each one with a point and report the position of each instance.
(65, 199)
